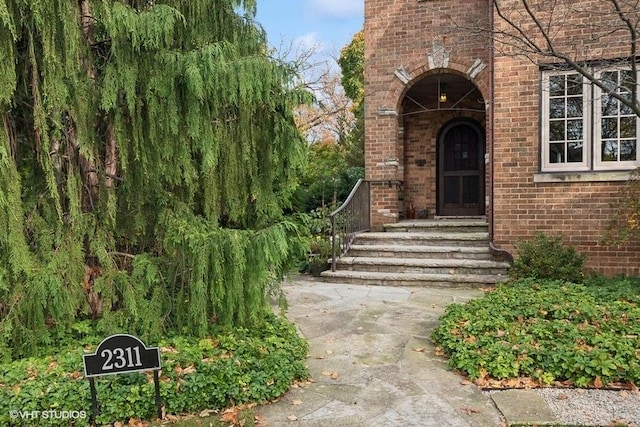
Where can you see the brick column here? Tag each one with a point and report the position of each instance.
(383, 166)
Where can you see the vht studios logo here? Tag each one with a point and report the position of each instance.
(50, 414)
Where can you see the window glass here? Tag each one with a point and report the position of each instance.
(565, 120)
(628, 151)
(574, 84)
(556, 86)
(574, 130)
(609, 151)
(628, 127)
(574, 152)
(618, 124)
(556, 130)
(556, 153)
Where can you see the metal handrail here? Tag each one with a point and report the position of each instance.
(351, 218)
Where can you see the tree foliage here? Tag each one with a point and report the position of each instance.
(624, 227)
(146, 153)
(328, 179)
(352, 65)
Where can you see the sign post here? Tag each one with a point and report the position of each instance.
(118, 354)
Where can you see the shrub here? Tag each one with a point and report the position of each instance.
(235, 366)
(547, 331)
(625, 224)
(545, 257)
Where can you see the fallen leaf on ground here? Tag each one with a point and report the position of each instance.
(335, 376)
(419, 350)
(469, 410)
(230, 415)
(326, 373)
(206, 413)
(329, 352)
(297, 402)
(466, 382)
(597, 383)
(292, 418)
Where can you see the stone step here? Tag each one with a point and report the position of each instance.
(421, 251)
(444, 252)
(421, 266)
(422, 238)
(442, 225)
(411, 279)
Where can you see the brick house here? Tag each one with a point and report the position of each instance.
(458, 126)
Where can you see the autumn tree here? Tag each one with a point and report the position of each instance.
(328, 124)
(147, 151)
(329, 118)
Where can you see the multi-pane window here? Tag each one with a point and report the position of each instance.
(618, 125)
(584, 127)
(566, 108)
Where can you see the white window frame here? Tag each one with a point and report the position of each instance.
(599, 164)
(547, 166)
(592, 124)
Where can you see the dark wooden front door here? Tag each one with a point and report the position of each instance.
(461, 170)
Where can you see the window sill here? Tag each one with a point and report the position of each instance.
(546, 177)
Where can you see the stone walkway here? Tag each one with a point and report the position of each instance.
(372, 363)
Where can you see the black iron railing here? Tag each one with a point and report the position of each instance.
(348, 220)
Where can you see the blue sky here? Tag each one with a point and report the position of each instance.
(327, 25)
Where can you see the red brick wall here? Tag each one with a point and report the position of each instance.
(401, 33)
(578, 211)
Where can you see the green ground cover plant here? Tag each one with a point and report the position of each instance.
(232, 367)
(547, 331)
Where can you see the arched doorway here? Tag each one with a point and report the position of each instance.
(432, 108)
(460, 172)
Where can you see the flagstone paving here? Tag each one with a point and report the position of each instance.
(372, 363)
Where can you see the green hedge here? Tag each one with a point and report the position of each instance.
(587, 334)
(233, 367)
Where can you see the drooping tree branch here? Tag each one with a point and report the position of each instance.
(537, 30)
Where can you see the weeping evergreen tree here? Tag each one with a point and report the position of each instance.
(147, 150)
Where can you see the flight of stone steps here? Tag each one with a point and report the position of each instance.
(441, 252)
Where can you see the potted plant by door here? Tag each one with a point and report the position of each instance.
(319, 256)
